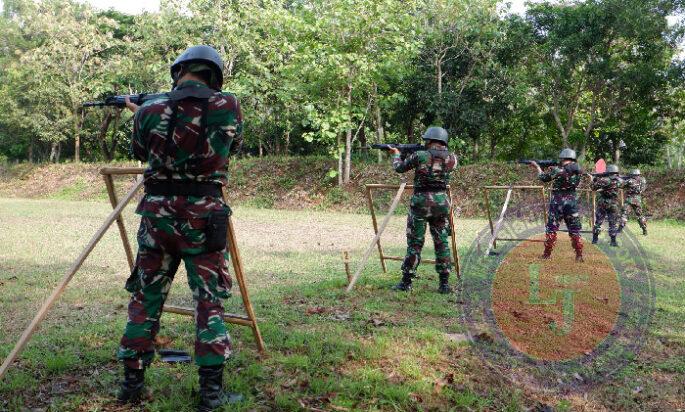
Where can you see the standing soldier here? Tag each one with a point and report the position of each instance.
(607, 186)
(634, 185)
(563, 202)
(429, 205)
(186, 138)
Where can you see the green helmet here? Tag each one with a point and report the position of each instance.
(201, 56)
(567, 154)
(635, 172)
(437, 134)
(612, 169)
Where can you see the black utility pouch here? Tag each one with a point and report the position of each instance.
(216, 231)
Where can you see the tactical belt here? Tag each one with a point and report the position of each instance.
(198, 189)
(428, 189)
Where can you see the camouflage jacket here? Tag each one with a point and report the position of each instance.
(563, 180)
(188, 158)
(433, 167)
(635, 185)
(608, 187)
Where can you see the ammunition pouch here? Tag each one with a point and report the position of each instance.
(216, 231)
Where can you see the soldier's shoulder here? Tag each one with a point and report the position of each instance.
(156, 106)
(225, 98)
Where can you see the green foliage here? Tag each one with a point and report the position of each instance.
(328, 76)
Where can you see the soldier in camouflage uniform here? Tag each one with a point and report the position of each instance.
(607, 187)
(186, 138)
(634, 185)
(563, 203)
(429, 205)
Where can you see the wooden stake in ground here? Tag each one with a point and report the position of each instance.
(498, 226)
(26, 335)
(346, 262)
(376, 238)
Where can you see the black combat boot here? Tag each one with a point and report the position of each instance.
(444, 287)
(644, 231)
(595, 238)
(405, 283)
(132, 386)
(613, 242)
(212, 395)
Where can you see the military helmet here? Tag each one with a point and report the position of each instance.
(437, 134)
(612, 169)
(568, 154)
(201, 54)
(635, 172)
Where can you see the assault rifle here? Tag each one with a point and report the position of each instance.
(542, 163)
(120, 101)
(405, 149)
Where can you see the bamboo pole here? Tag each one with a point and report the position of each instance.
(369, 199)
(486, 193)
(346, 263)
(453, 234)
(498, 226)
(393, 206)
(228, 317)
(42, 312)
(109, 183)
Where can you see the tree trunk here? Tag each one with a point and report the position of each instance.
(31, 144)
(102, 135)
(379, 123)
(348, 139)
(410, 130)
(261, 148)
(78, 122)
(438, 73)
(53, 153)
(341, 153)
(286, 137)
(362, 140)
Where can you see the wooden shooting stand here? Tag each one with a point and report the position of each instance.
(495, 228)
(249, 319)
(369, 197)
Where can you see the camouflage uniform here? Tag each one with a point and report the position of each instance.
(563, 204)
(634, 187)
(607, 203)
(429, 205)
(175, 228)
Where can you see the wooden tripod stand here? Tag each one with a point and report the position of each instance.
(244, 320)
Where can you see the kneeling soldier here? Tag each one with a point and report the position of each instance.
(634, 185)
(186, 138)
(607, 188)
(429, 205)
(563, 203)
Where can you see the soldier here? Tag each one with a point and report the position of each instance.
(429, 205)
(607, 187)
(186, 138)
(634, 184)
(563, 202)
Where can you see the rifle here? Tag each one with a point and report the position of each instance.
(120, 101)
(542, 163)
(405, 149)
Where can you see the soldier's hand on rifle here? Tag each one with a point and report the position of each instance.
(131, 106)
(394, 150)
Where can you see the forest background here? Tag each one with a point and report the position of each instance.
(330, 77)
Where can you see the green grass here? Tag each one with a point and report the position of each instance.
(373, 349)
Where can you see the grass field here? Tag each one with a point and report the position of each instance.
(373, 349)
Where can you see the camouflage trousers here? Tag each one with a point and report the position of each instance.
(563, 206)
(163, 243)
(634, 202)
(430, 208)
(611, 211)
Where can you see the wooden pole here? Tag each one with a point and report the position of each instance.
(109, 182)
(486, 193)
(42, 312)
(369, 199)
(240, 277)
(498, 226)
(453, 234)
(346, 262)
(393, 206)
